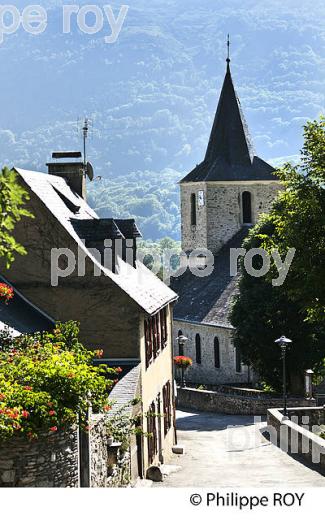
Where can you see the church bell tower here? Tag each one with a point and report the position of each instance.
(232, 186)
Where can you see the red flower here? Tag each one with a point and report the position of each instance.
(118, 370)
(29, 388)
(107, 408)
(6, 292)
(54, 429)
(52, 412)
(183, 361)
(25, 414)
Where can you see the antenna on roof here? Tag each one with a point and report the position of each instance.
(87, 167)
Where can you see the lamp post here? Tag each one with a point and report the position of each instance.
(309, 383)
(181, 340)
(283, 342)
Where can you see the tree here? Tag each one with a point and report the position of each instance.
(263, 312)
(12, 199)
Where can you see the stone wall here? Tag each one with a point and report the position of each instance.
(224, 208)
(49, 461)
(297, 439)
(206, 373)
(109, 465)
(236, 404)
(221, 216)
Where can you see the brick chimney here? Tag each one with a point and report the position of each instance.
(72, 171)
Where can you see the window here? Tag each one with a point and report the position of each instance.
(193, 209)
(167, 407)
(180, 347)
(156, 335)
(247, 207)
(216, 352)
(152, 431)
(198, 349)
(238, 361)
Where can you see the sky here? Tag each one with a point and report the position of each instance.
(152, 94)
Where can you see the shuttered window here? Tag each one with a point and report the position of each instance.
(152, 433)
(156, 335)
(167, 407)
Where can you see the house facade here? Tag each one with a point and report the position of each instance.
(220, 200)
(83, 268)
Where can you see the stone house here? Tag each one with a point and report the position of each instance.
(121, 306)
(220, 199)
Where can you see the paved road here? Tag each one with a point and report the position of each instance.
(217, 455)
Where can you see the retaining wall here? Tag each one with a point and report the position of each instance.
(294, 438)
(233, 404)
(49, 461)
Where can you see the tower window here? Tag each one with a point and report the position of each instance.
(193, 209)
(247, 207)
(216, 352)
(198, 353)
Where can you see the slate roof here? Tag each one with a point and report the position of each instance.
(230, 154)
(21, 316)
(106, 228)
(208, 300)
(126, 389)
(140, 284)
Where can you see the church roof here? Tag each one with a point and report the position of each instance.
(208, 300)
(230, 155)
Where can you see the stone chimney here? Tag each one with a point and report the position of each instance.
(72, 171)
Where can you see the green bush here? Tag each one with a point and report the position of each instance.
(47, 381)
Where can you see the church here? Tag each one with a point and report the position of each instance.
(221, 198)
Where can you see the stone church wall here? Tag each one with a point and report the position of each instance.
(221, 216)
(224, 208)
(206, 373)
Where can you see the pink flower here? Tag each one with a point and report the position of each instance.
(54, 429)
(25, 414)
(52, 412)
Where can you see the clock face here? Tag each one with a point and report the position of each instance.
(200, 198)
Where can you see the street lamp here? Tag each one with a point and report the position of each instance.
(309, 383)
(284, 342)
(181, 340)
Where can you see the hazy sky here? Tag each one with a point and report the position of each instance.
(152, 95)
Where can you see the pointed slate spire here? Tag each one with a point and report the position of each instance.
(230, 154)
(230, 137)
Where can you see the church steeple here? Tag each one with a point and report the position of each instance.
(230, 139)
(230, 154)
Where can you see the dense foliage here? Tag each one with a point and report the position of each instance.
(12, 200)
(47, 380)
(262, 312)
(153, 200)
